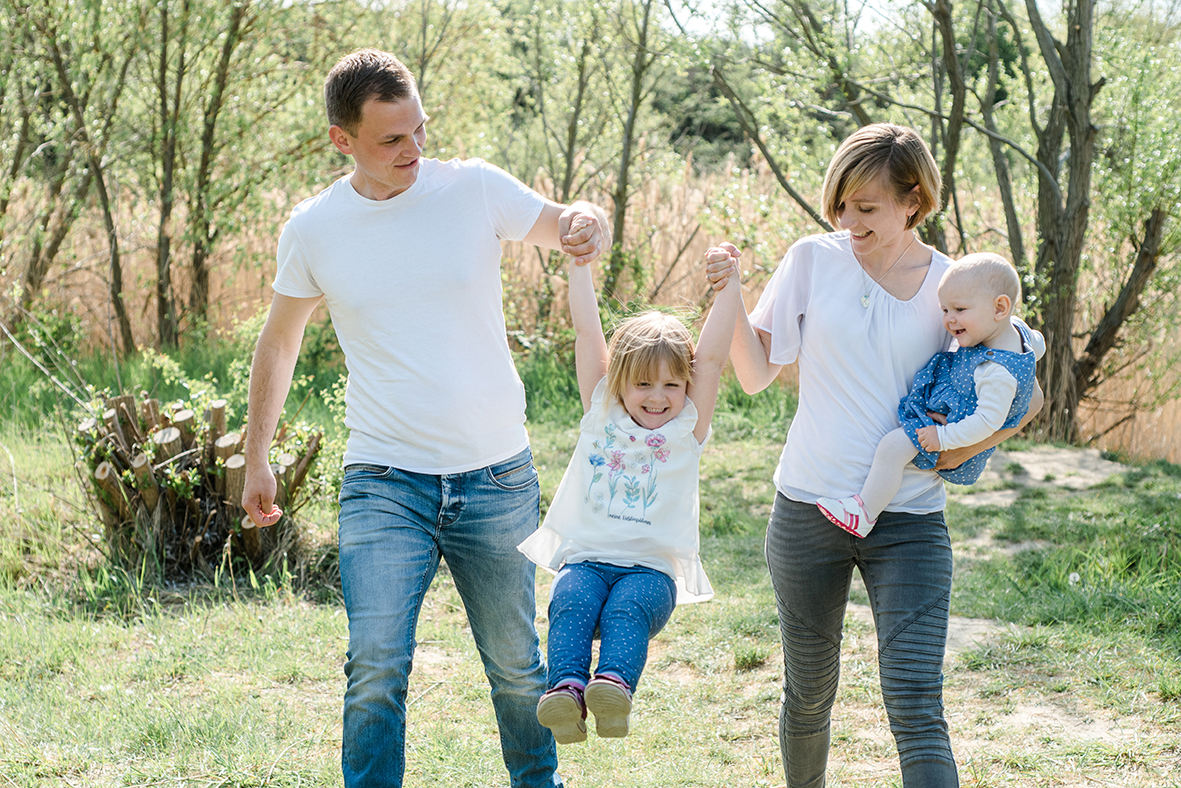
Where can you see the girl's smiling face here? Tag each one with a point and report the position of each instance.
(655, 399)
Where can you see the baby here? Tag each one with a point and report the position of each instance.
(983, 386)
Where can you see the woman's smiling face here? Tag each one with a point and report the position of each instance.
(875, 218)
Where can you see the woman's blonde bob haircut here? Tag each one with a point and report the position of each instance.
(882, 150)
(638, 346)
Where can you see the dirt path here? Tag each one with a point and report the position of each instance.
(1040, 466)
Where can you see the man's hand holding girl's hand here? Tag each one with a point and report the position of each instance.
(583, 227)
(721, 262)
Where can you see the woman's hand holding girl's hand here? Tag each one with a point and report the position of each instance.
(721, 262)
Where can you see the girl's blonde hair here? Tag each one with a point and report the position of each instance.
(638, 346)
(882, 149)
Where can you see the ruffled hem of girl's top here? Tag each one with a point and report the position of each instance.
(549, 550)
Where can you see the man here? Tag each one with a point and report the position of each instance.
(406, 252)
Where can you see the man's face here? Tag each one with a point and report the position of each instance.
(386, 146)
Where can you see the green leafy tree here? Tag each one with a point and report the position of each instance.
(560, 113)
(229, 103)
(1133, 303)
(41, 164)
(90, 71)
(639, 63)
(458, 53)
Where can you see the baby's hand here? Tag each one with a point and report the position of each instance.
(928, 438)
(720, 263)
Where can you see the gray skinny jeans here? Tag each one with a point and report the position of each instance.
(906, 565)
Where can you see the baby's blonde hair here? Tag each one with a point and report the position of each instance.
(638, 346)
(989, 272)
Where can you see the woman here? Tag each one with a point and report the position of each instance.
(858, 310)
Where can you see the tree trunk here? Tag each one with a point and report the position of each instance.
(51, 229)
(201, 220)
(1000, 163)
(18, 160)
(82, 110)
(166, 318)
(1062, 227)
(1105, 336)
(116, 283)
(642, 60)
(951, 132)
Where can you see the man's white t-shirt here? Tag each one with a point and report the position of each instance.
(414, 289)
(855, 364)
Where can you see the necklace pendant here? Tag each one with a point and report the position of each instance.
(865, 300)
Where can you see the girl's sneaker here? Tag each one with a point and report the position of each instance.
(610, 700)
(848, 513)
(564, 713)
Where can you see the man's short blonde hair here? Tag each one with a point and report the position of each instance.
(638, 346)
(988, 273)
(882, 149)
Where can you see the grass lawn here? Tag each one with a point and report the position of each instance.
(1072, 679)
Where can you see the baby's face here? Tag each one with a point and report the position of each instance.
(970, 314)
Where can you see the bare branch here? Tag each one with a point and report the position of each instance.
(750, 126)
(983, 130)
(1106, 332)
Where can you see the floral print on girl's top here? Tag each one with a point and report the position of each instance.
(639, 487)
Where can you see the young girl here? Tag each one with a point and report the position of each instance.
(621, 533)
(983, 386)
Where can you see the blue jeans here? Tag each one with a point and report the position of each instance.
(394, 527)
(906, 564)
(626, 604)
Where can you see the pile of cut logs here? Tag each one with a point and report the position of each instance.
(167, 485)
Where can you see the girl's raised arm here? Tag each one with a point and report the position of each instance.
(713, 348)
(590, 348)
(750, 350)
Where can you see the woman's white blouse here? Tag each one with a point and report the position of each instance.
(855, 364)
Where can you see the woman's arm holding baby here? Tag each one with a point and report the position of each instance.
(954, 458)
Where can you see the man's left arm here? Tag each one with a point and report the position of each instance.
(591, 237)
